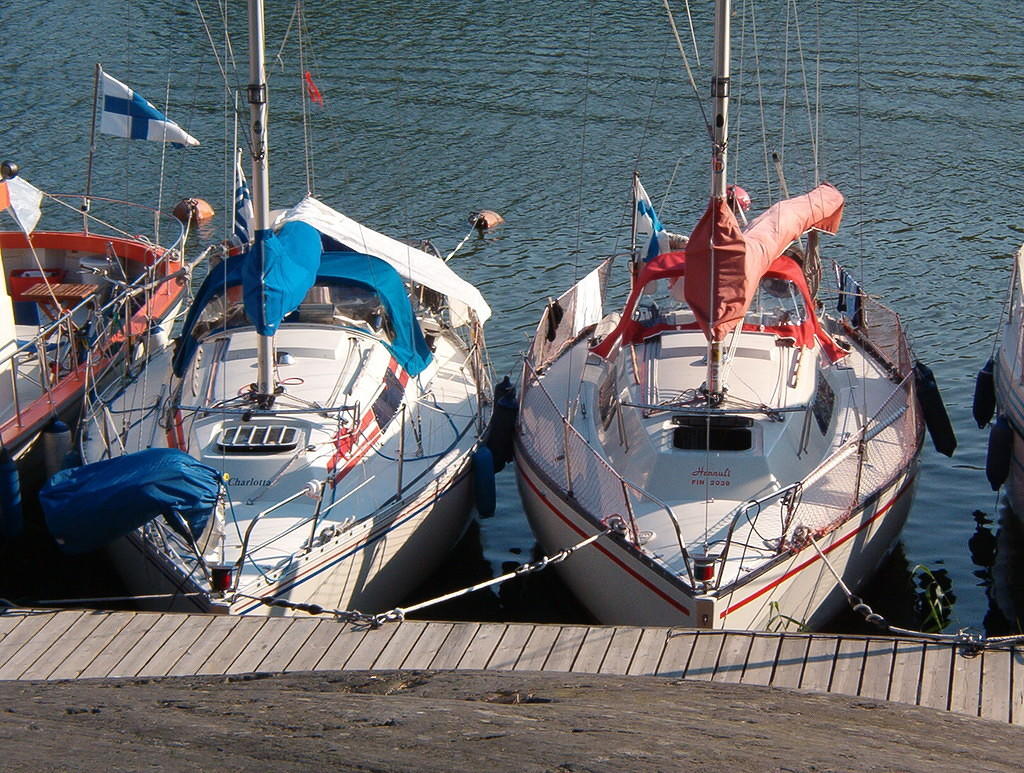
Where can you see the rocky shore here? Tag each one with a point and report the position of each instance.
(479, 721)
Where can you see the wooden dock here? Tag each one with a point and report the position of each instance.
(84, 644)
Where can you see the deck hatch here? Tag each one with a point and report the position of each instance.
(257, 438)
(712, 433)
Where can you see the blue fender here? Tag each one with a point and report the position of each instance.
(483, 481)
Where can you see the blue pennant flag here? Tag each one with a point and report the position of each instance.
(127, 114)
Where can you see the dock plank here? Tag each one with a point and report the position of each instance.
(593, 650)
(819, 663)
(965, 687)
(761, 660)
(648, 652)
(567, 645)
(676, 655)
(621, 650)
(849, 666)
(10, 618)
(1017, 687)
(789, 665)
(732, 660)
(935, 676)
(259, 646)
(147, 646)
(238, 638)
(455, 645)
(538, 647)
(427, 646)
(996, 681)
(877, 669)
(704, 657)
(480, 649)
(119, 645)
(905, 679)
(507, 653)
(291, 642)
(369, 648)
(64, 647)
(35, 647)
(22, 633)
(86, 644)
(197, 653)
(316, 646)
(110, 625)
(400, 644)
(344, 641)
(185, 636)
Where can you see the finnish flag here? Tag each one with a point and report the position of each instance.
(243, 206)
(127, 114)
(650, 238)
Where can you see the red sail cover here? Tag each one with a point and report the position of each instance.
(724, 264)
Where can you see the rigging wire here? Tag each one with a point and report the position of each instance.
(686, 62)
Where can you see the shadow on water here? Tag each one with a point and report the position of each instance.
(997, 550)
(538, 597)
(917, 598)
(33, 570)
(922, 598)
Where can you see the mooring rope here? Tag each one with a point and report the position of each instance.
(970, 641)
(614, 525)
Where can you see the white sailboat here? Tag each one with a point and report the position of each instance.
(999, 394)
(309, 442)
(747, 453)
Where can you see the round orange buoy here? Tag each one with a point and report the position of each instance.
(193, 209)
(485, 219)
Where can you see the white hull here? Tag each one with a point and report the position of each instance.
(369, 568)
(1009, 387)
(620, 586)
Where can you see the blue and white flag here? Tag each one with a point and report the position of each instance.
(851, 295)
(127, 114)
(243, 206)
(650, 238)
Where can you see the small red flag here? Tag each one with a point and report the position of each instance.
(311, 90)
(5, 199)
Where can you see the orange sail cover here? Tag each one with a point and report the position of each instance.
(724, 264)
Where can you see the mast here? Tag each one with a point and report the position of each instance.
(720, 140)
(260, 181)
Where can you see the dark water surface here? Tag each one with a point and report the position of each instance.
(541, 111)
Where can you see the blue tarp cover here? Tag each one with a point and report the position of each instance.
(91, 506)
(335, 268)
(277, 271)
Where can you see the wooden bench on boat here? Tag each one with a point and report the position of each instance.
(67, 294)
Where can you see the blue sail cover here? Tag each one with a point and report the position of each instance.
(91, 506)
(277, 271)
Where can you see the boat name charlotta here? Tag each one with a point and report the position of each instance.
(248, 482)
(703, 477)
